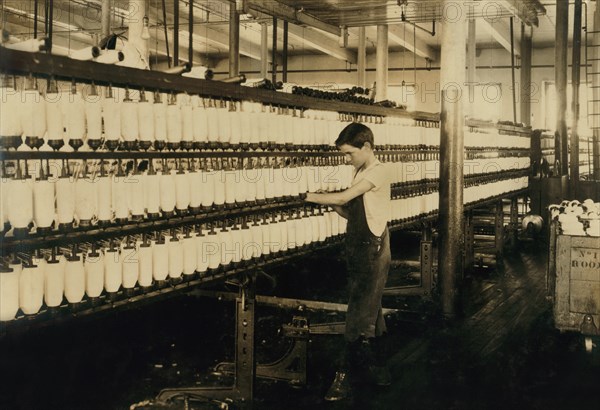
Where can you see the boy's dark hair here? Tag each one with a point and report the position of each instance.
(355, 134)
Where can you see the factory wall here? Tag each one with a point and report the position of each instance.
(493, 74)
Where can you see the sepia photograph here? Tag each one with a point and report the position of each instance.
(299, 204)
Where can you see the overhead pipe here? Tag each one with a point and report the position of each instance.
(110, 57)
(526, 51)
(471, 61)
(199, 71)
(175, 32)
(512, 69)
(562, 33)
(264, 50)
(87, 53)
(32, 45)
(285, 52)
(135, 28)
(596, 96)
(46, 17)
(234, 41)
(164, 12)
(575, 80)
(35, 18)
(362, 57)
(50, 21)
(178, 69)
(191, 35)
(105, 19)
(274, 52)
(238, 79)
(382, 63)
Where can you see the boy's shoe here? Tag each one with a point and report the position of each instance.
(340, 388)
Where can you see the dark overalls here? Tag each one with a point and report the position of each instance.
(368, 258)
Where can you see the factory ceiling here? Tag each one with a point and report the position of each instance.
(316, 27)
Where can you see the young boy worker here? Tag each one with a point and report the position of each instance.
(366, 206)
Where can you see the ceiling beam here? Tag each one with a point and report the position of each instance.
(290, 14)
(500, 30)
(18, 22)
(526, 11)
(206, 34)
(417, 46)
(322, 43)
(247, 48)
(61, 26)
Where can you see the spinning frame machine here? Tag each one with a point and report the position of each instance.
(496, 167)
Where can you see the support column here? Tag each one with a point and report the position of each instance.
(469, 256)
(362, 57)
(499, 232)
(191, 33)
(595, 106)
(264, 50)
(526, 49)
(135, 26)
(234, 41)
(560, 67)
(471, 63)
(512, 68)
(175, 33)
(284, 63)
(596, 154)
(274, 53)
(105, 24)
(575, 79)
(452, 76)
(382, 63)
(426, 259)
(514, 223)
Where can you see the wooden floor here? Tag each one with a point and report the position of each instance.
(503, 353)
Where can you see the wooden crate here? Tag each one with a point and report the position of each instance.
(577, 283)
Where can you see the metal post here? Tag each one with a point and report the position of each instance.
(136, 25)
(596, 155)
(164, 13)
(471, 61)
(526, 49)
(362, 57)
(242, 391)
(595, 106)
(560, 64)
(514, 223)
(453, 64)
(35, 18)
(234, 41)
(499, 232)
(551, 275)
(285, 53)
(191, 33)
(512, 66)
(46, 14)
(105, 25)
(426, 259)
(175, 33)
(575, 79)
(264, 50)
(244, 354)
(274, 52)
(469, 256)
(50, 24)
(382, 63)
